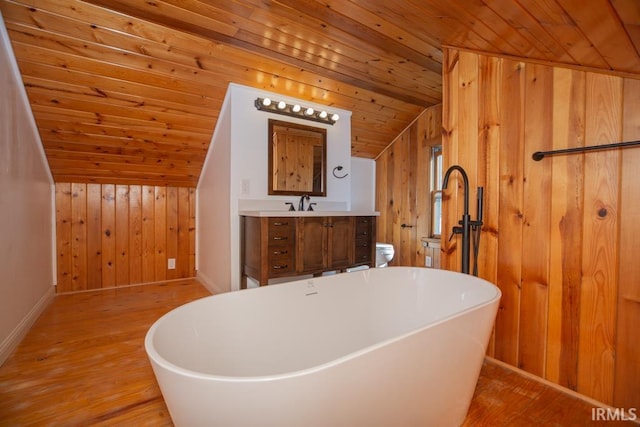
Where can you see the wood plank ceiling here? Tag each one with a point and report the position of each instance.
(126, 91)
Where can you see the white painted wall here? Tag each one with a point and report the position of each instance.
(27, 232)
(213, 210)
(363, 184)
(244, 160)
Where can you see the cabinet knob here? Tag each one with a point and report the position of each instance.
(280, 238)
(280, 267)
(279, 224)
(284, 252)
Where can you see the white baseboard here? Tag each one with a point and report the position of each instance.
(20, 331)
(209, 284)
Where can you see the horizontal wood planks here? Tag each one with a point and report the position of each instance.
(111, 235)
(558, 233)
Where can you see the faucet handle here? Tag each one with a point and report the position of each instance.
(291, 208)
(310, 208)
(454, 231)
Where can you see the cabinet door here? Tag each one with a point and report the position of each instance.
(312, 244)
(340, 241)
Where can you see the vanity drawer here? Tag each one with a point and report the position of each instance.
(281, 231)
(363, 251)
(281, 246)
(364, 240)
(364, 226)
(281, 259)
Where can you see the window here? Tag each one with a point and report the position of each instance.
(436, 191)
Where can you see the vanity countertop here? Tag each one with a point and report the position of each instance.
(284, 213)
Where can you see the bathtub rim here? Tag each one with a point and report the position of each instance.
(155, 357)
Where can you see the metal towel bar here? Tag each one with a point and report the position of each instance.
(539, 155)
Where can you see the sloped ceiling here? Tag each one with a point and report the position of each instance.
(129, 91)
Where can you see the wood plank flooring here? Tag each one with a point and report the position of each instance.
(84, 363)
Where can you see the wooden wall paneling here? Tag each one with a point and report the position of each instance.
(394, 200)
(407, 214)
(122, 235)
(135, 234)
(403, 188)
(422, 156)
(115, 235)
(94, 236)
(172, 230)
(598, 298)
(182, 262)
(564, 246)
(489, 78)
(538, 103)
(148, 234)
(192, 232)
(79, 236)
(108, 209)
(627, 370)
(468, 132)
(450, 135)
(382, 178)
(510, 215)
(160, 234)
(63, 236)
(565, 234)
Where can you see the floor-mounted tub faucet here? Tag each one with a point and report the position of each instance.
(465, 223)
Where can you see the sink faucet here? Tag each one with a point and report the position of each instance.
(466, 224)
(301, 202)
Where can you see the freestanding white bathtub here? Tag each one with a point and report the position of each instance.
(382, 347)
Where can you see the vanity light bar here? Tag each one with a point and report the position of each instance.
(295, 110)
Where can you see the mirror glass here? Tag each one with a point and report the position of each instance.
(297, 159)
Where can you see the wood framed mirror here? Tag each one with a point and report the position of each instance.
(297, 159)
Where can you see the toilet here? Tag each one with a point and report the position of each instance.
(384, 254)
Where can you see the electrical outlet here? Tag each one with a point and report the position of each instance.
(427, 261)
(171, 263)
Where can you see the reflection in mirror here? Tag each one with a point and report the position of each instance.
(297, 159)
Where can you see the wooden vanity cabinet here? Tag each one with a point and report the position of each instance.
(325, 243)
(275, 247)
(269, 247)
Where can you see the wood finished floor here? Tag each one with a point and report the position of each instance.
(84, 363)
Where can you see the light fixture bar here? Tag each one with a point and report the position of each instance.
(295, 110)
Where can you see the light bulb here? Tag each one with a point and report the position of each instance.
(335, 117)
(323, 114)
(296, 108)
(266, 102)
(281, 105)
(309, 111)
